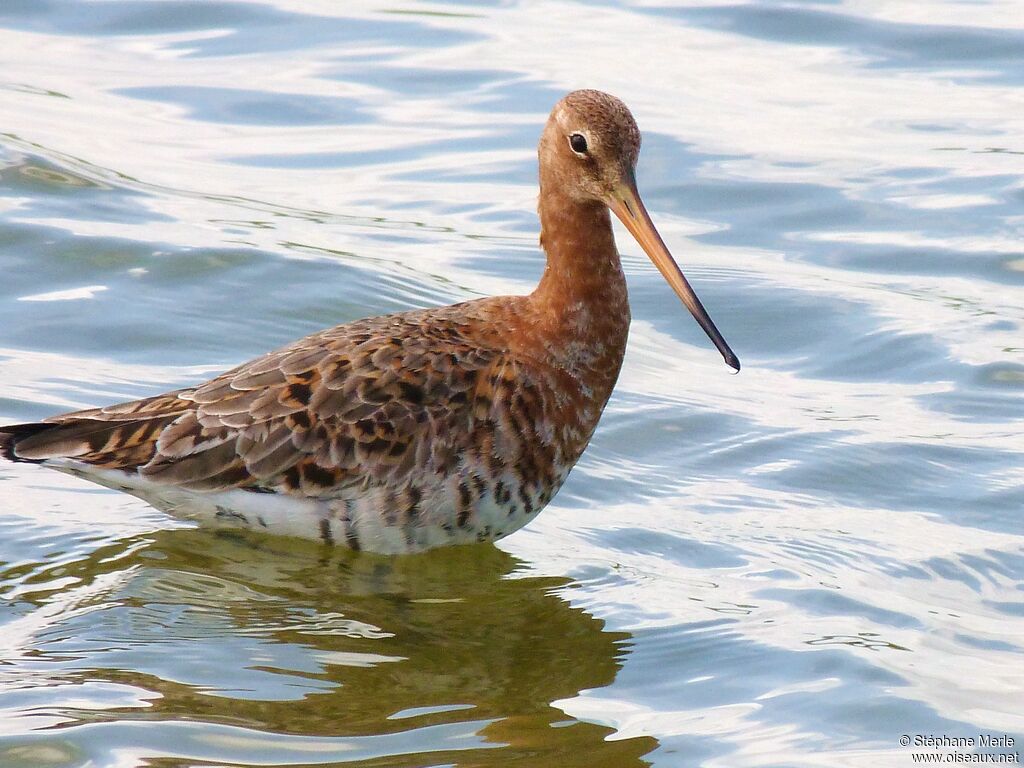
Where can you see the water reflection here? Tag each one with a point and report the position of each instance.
(358, 655)
(185, 187)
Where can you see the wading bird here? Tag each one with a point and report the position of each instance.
(408, 431)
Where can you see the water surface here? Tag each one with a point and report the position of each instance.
(793, 566)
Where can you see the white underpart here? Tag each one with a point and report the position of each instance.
(284, 515)
(363, 521)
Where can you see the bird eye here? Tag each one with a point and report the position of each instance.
(578, 142)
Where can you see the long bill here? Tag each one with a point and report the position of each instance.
(626, 204)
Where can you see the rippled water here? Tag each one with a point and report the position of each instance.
(789, 567)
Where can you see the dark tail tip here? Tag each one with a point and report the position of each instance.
(12, 433)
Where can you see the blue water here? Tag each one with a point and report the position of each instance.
(793, 566)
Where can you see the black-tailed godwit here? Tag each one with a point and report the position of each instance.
(413, 430)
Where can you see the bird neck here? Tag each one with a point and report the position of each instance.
(581, 309)
(583, 268)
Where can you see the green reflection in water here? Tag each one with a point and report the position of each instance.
(268, 651)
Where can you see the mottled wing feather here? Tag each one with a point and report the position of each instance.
(92, 433)
(363, 403)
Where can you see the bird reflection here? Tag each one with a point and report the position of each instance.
(281, 635)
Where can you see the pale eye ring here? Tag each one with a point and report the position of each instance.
(578, 143)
